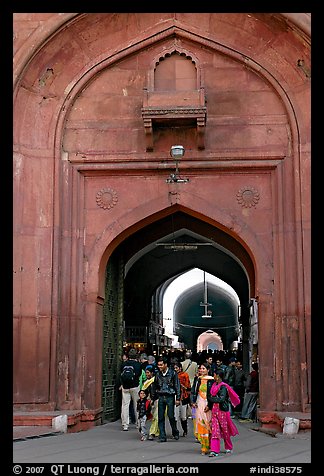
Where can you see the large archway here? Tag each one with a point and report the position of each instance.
(224, 257)
(149, 263)
(86, 188)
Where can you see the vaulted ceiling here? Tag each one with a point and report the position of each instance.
(149, 266)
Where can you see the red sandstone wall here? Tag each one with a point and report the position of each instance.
(79, 102)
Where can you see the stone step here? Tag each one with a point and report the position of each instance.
(25, 432)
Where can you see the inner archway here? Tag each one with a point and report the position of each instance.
(209, 340)
(196, 301)
(191, 319)
(150, 265)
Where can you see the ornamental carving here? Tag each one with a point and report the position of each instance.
(248, 197)
(106, 198)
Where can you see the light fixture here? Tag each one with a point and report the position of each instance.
(178, 246)
(177, 152)
(208, 313)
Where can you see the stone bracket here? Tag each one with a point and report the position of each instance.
(172, 108)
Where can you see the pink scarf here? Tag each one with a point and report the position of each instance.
(235, 399)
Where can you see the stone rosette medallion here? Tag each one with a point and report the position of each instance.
(248, 197)
(106, 198)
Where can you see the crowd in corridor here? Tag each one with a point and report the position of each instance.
(210, 388)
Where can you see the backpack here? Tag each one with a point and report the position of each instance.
(127, 376)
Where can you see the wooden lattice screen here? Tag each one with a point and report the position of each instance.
(112, 338)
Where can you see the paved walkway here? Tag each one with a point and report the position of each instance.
(108, 444)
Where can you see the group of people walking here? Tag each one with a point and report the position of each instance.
(212, 397)
(181, 390)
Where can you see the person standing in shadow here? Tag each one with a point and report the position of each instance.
(249, 409)
(239, 385)
(191, 368)
(229, 378)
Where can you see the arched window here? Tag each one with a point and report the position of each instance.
(174, 96)
(175, 72)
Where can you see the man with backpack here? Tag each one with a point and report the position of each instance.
(129, 384)
(191, 368)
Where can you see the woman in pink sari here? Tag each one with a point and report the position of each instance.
(219, 397)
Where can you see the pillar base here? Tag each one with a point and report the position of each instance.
(78, 420)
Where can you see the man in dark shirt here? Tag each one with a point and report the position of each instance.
(239, 384)
(249, 409)
(166, 388)
(229, 378)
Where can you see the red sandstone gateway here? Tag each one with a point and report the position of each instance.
(99, 100)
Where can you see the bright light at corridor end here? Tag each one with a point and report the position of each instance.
(180, 285)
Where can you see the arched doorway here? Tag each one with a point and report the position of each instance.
(141, 266)
(209, 340)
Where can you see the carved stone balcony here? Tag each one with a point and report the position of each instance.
(174, 108)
